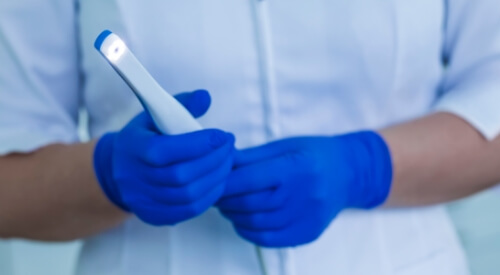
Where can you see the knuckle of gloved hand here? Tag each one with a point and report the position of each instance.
(282, 221)
(321, 204)
(280, 199)
(132, 125)
(227, 165)
(313, 235)
(275, 200)
(158, 220)
(129, 199)
(120, 175)
(189, 194)
(319, 222)
(152, 214)
(152, 154)
(218, 138)
(254, 221)
(246, 203)
(264, 239)
(179, 175)
(193, 209)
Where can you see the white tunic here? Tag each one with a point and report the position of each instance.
(275, 68)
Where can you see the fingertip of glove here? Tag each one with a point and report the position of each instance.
(202, 94)
(200, 102)
(219, 138)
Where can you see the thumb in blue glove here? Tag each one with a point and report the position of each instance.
(164, 179)
(287, 192)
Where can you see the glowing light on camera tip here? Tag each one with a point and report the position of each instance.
(115, 50)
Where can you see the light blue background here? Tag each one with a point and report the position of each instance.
(35, 258)
(477, 222)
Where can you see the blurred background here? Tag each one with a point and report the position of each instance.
(476, 221)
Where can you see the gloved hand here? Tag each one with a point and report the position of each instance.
(287, 192)
(165, 179)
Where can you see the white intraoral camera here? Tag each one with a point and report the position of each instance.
(168, 114)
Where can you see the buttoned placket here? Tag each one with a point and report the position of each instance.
(272, 261)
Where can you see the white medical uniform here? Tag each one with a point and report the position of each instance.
(275, 68)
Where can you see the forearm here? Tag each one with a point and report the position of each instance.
(439, 158)
(52, 194)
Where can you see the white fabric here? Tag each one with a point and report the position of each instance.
(336, 66)
(471, 85)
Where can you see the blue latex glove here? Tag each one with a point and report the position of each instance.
(165, 179)
(287, 192)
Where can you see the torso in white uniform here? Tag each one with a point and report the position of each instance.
(290, 68)
(275, 68)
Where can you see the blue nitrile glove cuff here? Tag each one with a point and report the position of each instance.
(103, 154)
(374, 169)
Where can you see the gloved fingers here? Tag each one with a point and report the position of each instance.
(192, 191)
(139, 136)
(184, 173)
(298, 233)
(267, 200)
(262, 221)
(260, 176)
(155, 213)
(141, 125)
(198, 207)
(267, 151)
(269, 238)
(196, 102)
(166, 150)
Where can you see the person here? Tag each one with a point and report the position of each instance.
(354, 121)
